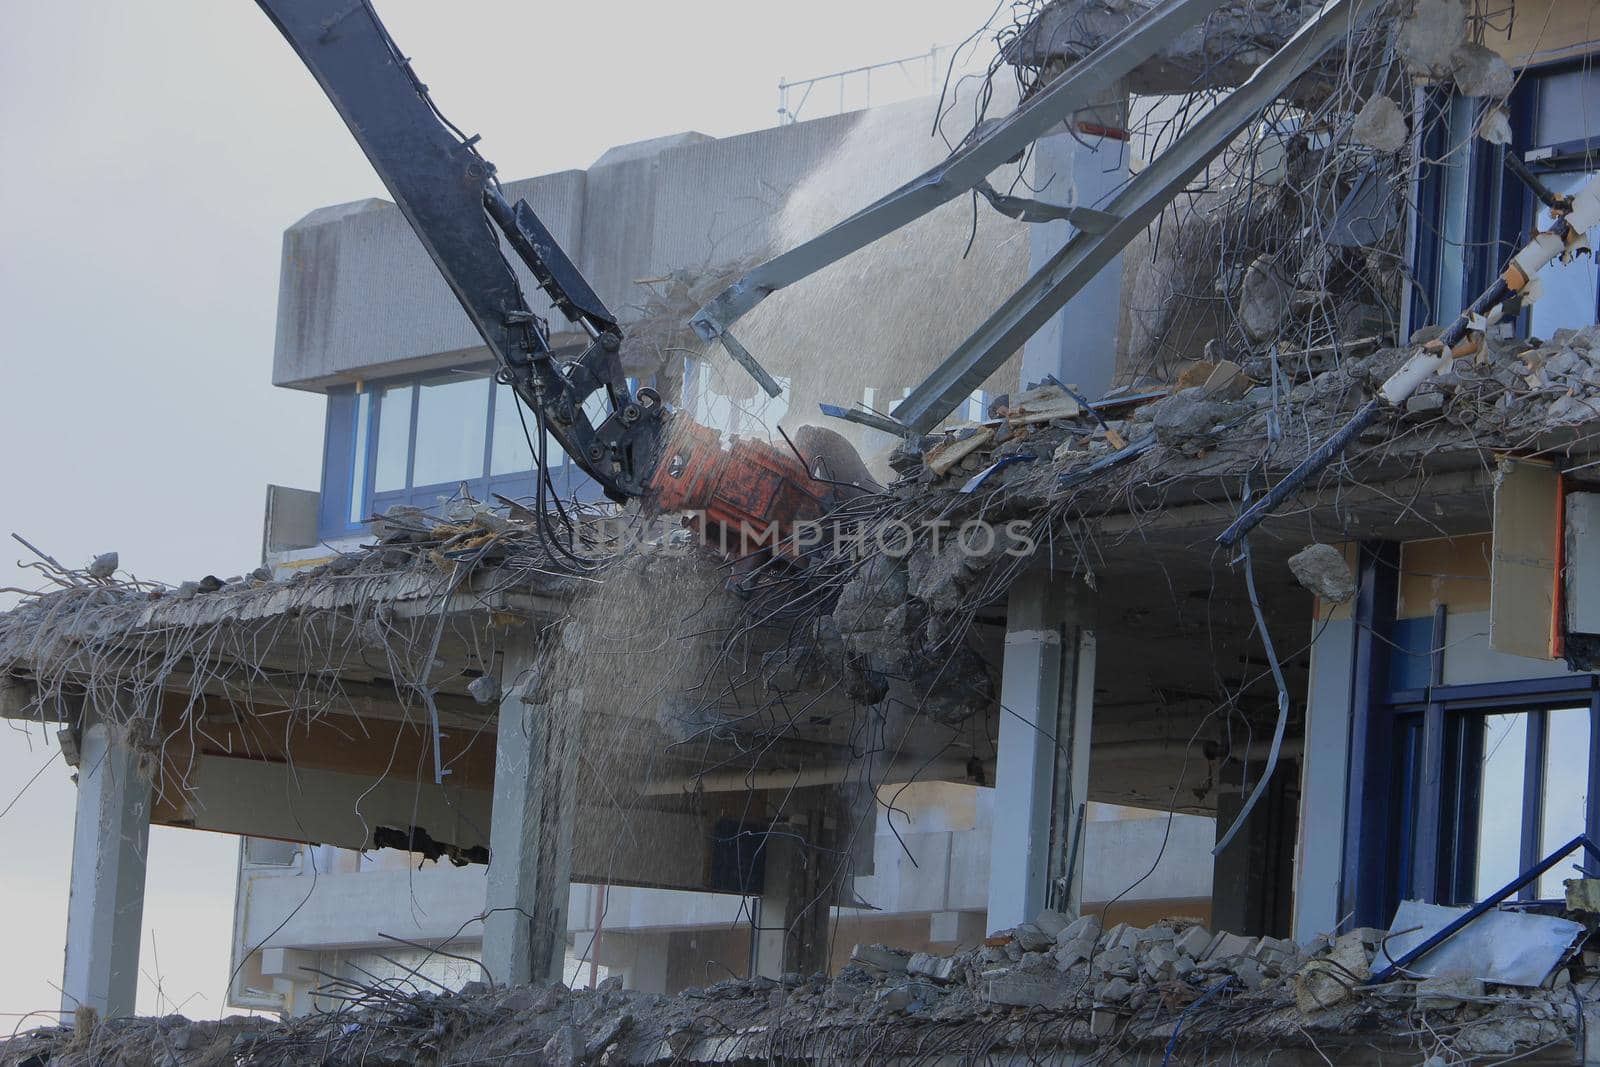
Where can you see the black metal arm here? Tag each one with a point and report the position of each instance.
(449, 194)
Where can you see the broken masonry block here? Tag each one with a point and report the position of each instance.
(1101, 1022)
(936, 968)
(1193, 942)
(1322, 570)
(1073, 952)
(1380, 125)
(1052, 922)
(1033, 963)
(1032, 939)
(1428, 403)
(565, 1048)
(1012, 989)
(1084, 926)
(1227, 946)
(484, 689)
(1479, 71)
(1113, 991)
(1447, 994)
(886, 959)
(1248, 972)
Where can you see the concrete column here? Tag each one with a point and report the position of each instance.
(530, 828)
(791, 934)
(1324, 774)
(1042, 766)
(1070, 167)
(110, 842)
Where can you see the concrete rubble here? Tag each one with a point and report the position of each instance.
(1047, 987)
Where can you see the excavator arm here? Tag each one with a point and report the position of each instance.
(746, 496)
(449, 194)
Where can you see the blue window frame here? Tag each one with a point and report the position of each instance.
(1472, 215)
(1454, 789)
(418, 439)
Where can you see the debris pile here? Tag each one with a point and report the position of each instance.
(1503, 396)
(91, 628)
(1051, 985)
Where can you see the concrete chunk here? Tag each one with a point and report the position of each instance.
(1229, 945)
(1052, 922)
(1022, 991)
(1323, 570)
(1193, 942)
(886, 959)
(1114, 991)
(1081, 927)
(1032, 939)
(1447, 994)
(938, 968)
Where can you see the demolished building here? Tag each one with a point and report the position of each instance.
(1387, 696)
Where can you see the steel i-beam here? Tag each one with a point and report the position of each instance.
(963, 170)
(1136, 206)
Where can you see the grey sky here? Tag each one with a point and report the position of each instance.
(154, 154)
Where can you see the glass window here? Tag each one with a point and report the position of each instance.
(358, 476)
(1505, 742)
(452, 418)
(394, 438)
(1558, 120)
(1568, 298)
(1566, 792)
(511, 453)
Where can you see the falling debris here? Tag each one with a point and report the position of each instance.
(1479, 71)
(1323, 570)
(1496, 126)
(1430, 35)
(1381, 125)
(103, 565)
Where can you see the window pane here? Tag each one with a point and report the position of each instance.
(512, 454)
(1567, 296)
(358, 475)
(1566, 792)
(394, 438)
(1505, 741)
(452, 418)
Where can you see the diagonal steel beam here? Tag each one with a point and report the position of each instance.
(1084, 84)
(1136, 206)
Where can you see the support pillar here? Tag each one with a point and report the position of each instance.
(791, 930)
(530, 827)
(1072, 167)
(110, 842)
(1042, 767)
(1324, 771)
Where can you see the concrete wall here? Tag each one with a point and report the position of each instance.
(358, 294)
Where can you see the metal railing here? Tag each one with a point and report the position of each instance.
(925, 79)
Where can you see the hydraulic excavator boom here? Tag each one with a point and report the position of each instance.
(450, 195)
